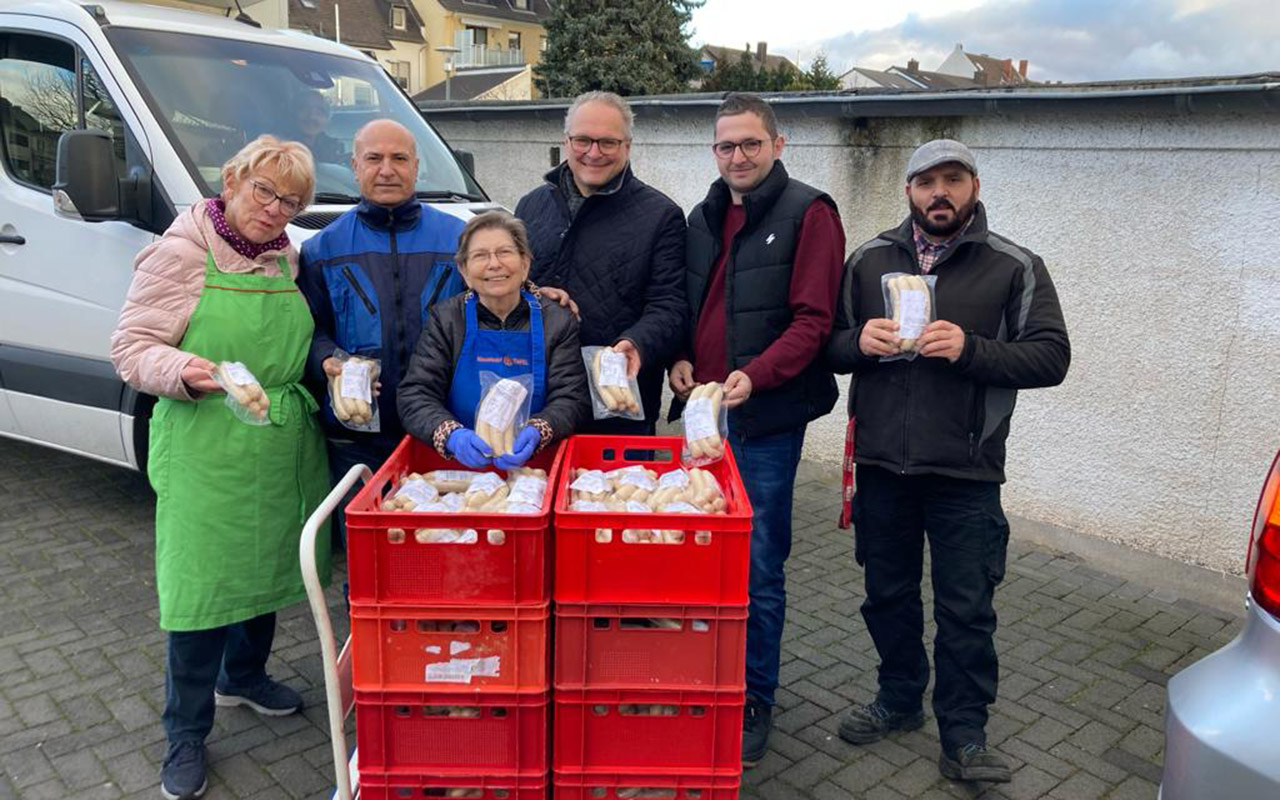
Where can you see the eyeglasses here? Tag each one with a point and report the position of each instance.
(483, 257)
(582, 145)
(265, 196)
(749, 147)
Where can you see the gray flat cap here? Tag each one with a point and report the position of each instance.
(940, 151)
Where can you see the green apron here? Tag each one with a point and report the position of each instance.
(231, 498)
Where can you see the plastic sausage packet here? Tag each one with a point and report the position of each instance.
(706, 425)
(613, 394)
(245, 396)
(351, 392)
(503, 410)
(908, 301)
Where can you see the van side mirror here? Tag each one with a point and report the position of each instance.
(85, 182)
(468, 160)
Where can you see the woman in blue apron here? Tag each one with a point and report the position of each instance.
(498, 329)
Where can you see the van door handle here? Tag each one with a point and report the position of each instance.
(12, 239)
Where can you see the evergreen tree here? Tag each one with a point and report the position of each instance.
(624, 46)
(737, 75)
(818, 77)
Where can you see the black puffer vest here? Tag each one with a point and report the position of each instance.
(757, 293)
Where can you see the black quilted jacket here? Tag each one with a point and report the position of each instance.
(622, 260)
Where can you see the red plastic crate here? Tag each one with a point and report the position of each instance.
(396, 569)
(703, 570)
(382, 786)
(403, 648)
(449, 733)
(602, 730)
(613, 647)
(571, 785)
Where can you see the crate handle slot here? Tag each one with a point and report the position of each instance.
(395, 535)
(458, 712)
(449, 792)
(397, 625)
(648, 710)
(651, 624)
(401, 711)
(462, 626)
(697, 711)
(498, 626)
(600, 623)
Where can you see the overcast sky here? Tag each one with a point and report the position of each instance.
(1064, 40)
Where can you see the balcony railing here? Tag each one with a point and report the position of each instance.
(478, 55)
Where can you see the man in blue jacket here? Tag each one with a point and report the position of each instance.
(371, 277)
(615, 245)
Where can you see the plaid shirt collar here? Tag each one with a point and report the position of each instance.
(927, 252)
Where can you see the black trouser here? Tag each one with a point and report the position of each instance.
(968, 539)
(230, 657)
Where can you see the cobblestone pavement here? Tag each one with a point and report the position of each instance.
(1084, 659)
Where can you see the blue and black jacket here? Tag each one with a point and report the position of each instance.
(370, 278)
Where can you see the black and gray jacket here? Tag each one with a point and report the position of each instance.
(423, 398)
(929, 416)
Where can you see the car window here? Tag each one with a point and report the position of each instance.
(37, 104)
(215, 95)
(100, 113)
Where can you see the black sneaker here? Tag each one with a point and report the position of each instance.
(269, 698)
(871, 722)
(182, 776)
(757, 721)
(974, 762)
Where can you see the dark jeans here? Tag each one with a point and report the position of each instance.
(230, 657)
(968, 539)
(343, 455)
(768, 467)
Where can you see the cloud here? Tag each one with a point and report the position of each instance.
(1084, 40)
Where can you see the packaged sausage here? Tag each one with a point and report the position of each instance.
(706, 425)
(351, 393)
(245, 396)
(908, 301)
(613, 394)
(503, 410)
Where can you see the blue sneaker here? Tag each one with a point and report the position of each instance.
(269, 698)
(183, 775)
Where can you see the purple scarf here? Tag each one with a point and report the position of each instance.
(246, 248)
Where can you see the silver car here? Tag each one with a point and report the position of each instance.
(1222, 727)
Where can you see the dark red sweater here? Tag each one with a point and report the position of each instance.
(815, 285)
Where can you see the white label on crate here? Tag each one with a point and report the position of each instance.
(640, 479)
(613, 369)
(355, 381)
(240, 373)
(636, 507)
(434, 649)
(458, 647)
(487, 483)
(521, 508)
(677, 478)
(615, 474)
(454, 501)
(500, 405)
(592, 481)
(462, 670)
(698, 420)
(587, 505)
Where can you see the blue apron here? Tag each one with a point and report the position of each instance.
(506, 354)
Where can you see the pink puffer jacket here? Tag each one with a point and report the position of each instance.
(167, 280)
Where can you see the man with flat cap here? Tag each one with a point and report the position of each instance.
(930, 447)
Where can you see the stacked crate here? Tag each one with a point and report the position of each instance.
(450, 643)
(650, 639)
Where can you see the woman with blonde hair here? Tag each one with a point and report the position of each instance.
(231, 498)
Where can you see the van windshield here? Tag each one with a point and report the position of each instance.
(215, 95)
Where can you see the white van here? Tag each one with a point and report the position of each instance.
(114, 117)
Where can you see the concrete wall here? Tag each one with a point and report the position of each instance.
(1158, 233)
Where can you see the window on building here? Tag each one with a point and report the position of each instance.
(543, 44)
(400, 70)
(479, 36)
(399, 18)
(522, 5)
(513, 41)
